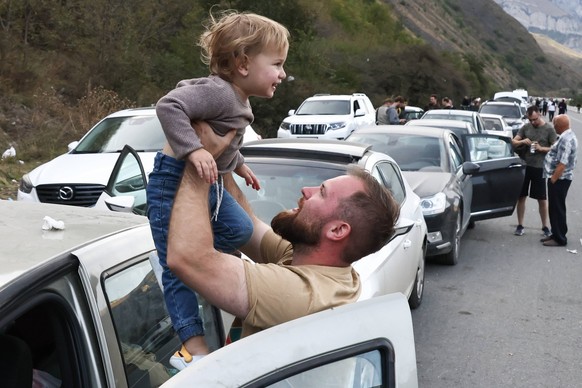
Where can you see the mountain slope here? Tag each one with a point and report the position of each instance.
(511, 56)
(560, 20)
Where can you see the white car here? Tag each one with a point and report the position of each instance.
(326, 116)
(79, 176)
(81, 307)
(284, 167)
(496, 125)
(468, 116)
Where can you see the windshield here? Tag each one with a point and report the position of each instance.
(324, 107)
(411, 152)
(281, 185)
(446, 116)
(503, 110)
(142, 133)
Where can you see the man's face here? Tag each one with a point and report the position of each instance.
(535, 119)
(317, 207)
(433, 100)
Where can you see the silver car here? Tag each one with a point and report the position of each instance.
(80, 306)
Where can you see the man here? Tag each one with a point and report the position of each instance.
(447, 103)
(562, 107)
(393, 111)
(538, 136)
(335, 224)
(382, 112)
(559, 164)
(432, 103)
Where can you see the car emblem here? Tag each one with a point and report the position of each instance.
(66, 193)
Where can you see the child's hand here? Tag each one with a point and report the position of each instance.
(245, 172)
(205, 165)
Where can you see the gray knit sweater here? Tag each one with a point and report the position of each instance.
(213, 100)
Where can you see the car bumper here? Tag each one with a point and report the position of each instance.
(441, 232)
(339, 134)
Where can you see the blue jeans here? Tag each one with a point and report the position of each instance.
(232, 229)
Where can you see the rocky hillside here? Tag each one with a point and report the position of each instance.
(513, 57)
(560, 20)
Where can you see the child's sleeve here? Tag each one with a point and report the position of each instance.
(179, 108)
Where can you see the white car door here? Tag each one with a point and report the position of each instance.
(364, 344)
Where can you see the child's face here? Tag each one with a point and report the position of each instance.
(265, 72)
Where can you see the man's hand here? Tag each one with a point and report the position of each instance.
(213, 143)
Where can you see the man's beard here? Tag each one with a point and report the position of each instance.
(297, 230)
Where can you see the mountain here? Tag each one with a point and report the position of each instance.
(512, 56)
(560, 20)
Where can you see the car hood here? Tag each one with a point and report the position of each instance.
(82, 168)
(426, 184)
(310, 119)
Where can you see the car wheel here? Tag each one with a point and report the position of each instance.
(418, 290)
(452, 257)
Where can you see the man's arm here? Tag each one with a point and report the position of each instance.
(253, 247)
(218, 277)
(558, 172)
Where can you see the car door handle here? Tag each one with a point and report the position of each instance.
(516, 165)
(406, 244)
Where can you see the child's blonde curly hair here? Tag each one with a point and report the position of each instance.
(233, 38)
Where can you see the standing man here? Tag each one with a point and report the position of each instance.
(558, 167)
(538, 136)
(562, 107)
(382, 112)
(433, 103)
(393, 111)
(551, 109)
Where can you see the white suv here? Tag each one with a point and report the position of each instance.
(328, 117)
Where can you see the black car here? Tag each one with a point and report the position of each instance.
(460, 180)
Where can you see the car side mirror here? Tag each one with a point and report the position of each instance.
(291, 112)
(470, 168)
(403, 227)
(123, 204)
(359, 113)
(71, 146)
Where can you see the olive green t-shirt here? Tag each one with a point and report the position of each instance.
(281, 292)
(545, 135)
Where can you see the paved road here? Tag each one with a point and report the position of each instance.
(510, 313)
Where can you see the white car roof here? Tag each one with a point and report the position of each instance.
(26, 245)
(144, 111)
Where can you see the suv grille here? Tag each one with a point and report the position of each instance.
(308, 129)
(75, 195)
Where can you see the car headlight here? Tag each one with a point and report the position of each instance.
(434, 204)
(285, 125)
(334, 126)
(26, 185)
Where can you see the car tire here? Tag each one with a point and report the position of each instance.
(452, 257)
(415, 298)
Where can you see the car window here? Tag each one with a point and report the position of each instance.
(46, 340)
(456, 157)
(487, 147)
(324, 107)
(142, 133)
(144, 330)
(281, 185)
(127, 180)
(503, 110)
(387, 174)
(363, 371)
